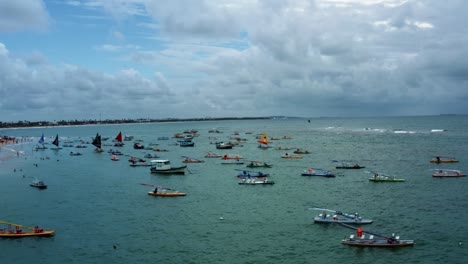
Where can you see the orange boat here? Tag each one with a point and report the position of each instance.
(16, 231)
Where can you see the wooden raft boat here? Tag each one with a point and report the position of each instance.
(16, 231)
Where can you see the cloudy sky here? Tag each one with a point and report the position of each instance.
(86, 59)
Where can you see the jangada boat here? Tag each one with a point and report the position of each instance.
(212, 155)
(263, 140)
(56, 143)
(385, 178)
(289, 156)
(255, 181)
(163, 191)
(339, 217)
(374, 240)
(443, 159)
(231, 157)
(258, 164)
(448, 173)
(190, 160)
(317, 172)
(97, 143)
(349, 165)
(299, 151)
(16, 231)
(164, 167)
(250, 174)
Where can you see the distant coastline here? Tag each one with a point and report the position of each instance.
(28, 124)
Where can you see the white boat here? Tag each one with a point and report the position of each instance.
(255, 181)
(164, 167)
(38, 184)
(447, 173)
(339, 217)
(373, 239)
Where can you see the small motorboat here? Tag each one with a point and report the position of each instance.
(114, 158)
(374, 240)
(212, 155)
(250, 174)
(38, 184)
(232, 162)
(317, 172)
(165, 167)
(186, 144)
(138, 146)
(222, 145)
(449, 173)
(339, 217)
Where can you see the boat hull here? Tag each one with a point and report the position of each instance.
(27, 234)
(319, 219)
(167, 194)
(376, 243)
(318, 174)
(386, 180)
(256, 182)
(445, 175)
(350, 167)
(42, 187)
(177, 170)
(444, 161)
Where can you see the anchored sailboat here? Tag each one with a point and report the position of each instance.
(119, 140)
(263, 141)
(97, 143)
(41, 141)
(56, 143)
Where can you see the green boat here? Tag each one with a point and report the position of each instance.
(258, 164)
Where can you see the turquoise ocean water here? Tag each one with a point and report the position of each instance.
(94, 203)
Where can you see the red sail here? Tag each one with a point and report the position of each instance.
(119, 137)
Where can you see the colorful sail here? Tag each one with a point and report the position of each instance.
(41, 140)
(263, 139)
(56, 141)
(97, 141)
(119, 137)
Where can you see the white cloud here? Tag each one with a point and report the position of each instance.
(244, 58)
(22, 15)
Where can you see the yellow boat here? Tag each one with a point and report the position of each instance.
(442, 159)
(16, 231)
